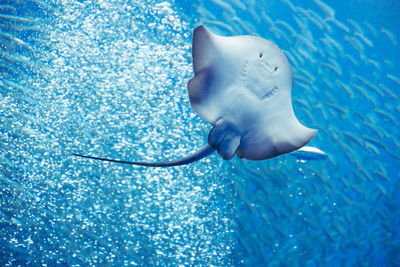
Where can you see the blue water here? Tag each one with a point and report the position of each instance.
(108, 78)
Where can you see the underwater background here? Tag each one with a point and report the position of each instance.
(108, 78)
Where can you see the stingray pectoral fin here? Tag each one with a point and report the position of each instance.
(192, 157)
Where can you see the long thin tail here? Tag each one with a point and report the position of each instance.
(192, 157)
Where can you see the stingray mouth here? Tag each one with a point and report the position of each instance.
(270, 93)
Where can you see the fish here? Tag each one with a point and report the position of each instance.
(286, 26)
(225, 6)
(356, 27)
(219, 25)
(355, 43)
(289, 4)
(389, 35)
(388, 91)
(309, 153)
(339, 24)
(393, 78)
(327, 9)
(328, 40)
(364, 39)
(242, 85)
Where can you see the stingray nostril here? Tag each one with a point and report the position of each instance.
(261, 54)
(276, 68)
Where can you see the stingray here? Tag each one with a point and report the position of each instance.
(242, 85)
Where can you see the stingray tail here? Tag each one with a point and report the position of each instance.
(192, 157)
